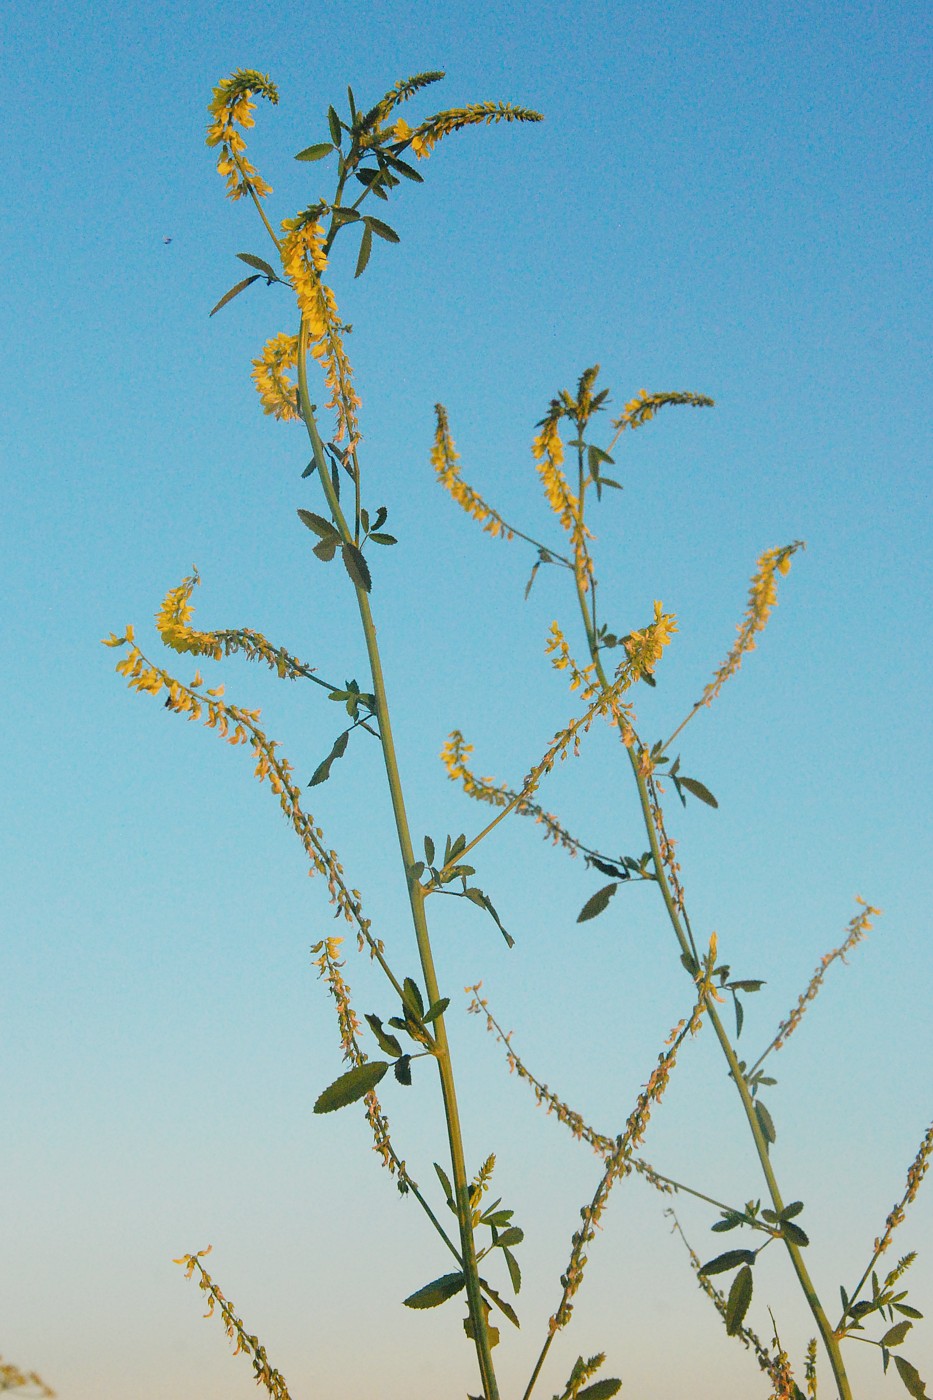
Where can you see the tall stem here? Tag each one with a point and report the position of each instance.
(830, 1341)
(416, 901)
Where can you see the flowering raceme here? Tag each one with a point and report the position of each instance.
(231, 106)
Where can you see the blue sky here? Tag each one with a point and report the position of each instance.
(732, 200)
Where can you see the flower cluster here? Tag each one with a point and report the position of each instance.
(915, 1174)
(445, 460)
(173, 621)
(251, 1346)
(330, 968)
(556, 647)
(231, 107)
(619, 1163)
(857, 929)
(454, 756)
(644, 648)
(278, 393)
(762, 599)
(425, 137)
(642, 408)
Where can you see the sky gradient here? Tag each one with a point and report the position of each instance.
(732, 200)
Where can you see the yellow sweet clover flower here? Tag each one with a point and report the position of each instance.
(642, 408)
(762, 599)
(304, 260)
(230, 107)
(556, 647)
(426, 136)
(277, 392)
(445, 460)
(644, 649)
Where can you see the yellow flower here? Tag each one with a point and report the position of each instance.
(230, 107)
(276, 390)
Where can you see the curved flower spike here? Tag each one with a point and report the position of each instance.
(230, 107)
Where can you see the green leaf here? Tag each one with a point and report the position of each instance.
(765, 1122)
(310, 469)
(322, 771)
(907, 1310)
(351, 1086)
(429, 850)
(383, 230)
(342, 216)
(911, 1378)
(501, 1303)
(366, 247)
(402, 1069)
(318, 152)
(730, 1260)
(483, 900)
(436, 1010)
(600, 1390)
(515, 1273)
(386, 1042)
(251, 260)
(417, 870)
(356, 566)
(379, 537)
(433, 1294)
(327, 548)
(333, 121)
(412, 998)
(403, 168)
(739, 1016)
(235, 291)
(444, 1179)
(318, 524)
(699, 790)
(597, 902)
(793, 1209)
(510, 1237)
(896, 1334)
(740, 1295)
(729, 1222)
(747, 986)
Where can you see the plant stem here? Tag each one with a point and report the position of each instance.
(686, 945)
(416, 900)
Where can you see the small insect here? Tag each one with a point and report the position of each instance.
(166, 240)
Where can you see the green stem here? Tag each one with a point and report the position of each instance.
(416, 901)
(761, 1145)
